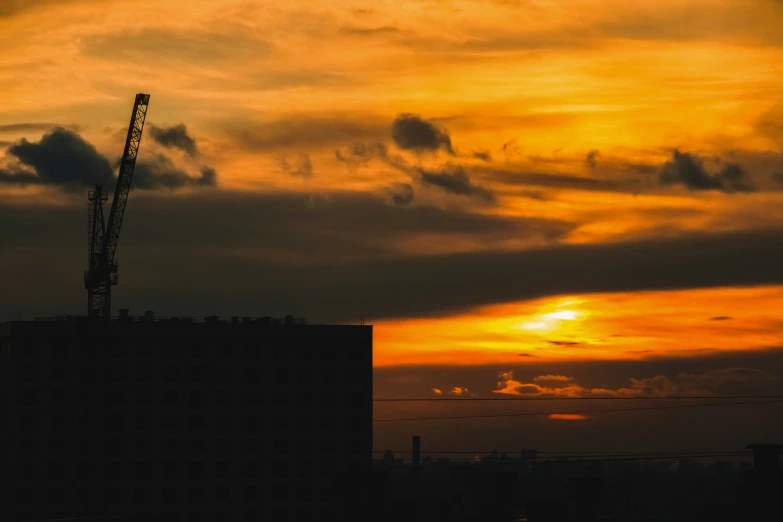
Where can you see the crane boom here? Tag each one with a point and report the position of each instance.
(102, 271)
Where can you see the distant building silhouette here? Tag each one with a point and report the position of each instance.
(181, 419)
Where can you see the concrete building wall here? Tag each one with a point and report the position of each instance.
(185, 421)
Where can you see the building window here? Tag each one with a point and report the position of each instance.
(171, 470)
(252, 400)
(305, 399)
(280, 447)
(303, 446)
(195, 470)
(328, 424)
(305, 470)
(253, 375)
(304, 494)
(170, 398)
(223, 374)
(171, 373)
(142, 471)
(58, 373)
(252, 469)
(328, 447)
(171, 352)
(196, 422)
(142, 422)
(252, 446)
(170, 422)
(223, 446)
(281, 377)
(169, 496)
(224, 399)
(223, 470)
(223, 494)
(29, 399)
(196, 446)
(170, 445)
(28, 373)
(280, 423)
(253, 423)
(328, 399)
(196, 373)
(196, 496)
(304, 353)
(252, 494)
(198, 399)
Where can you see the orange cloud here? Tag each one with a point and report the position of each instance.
(560, 378)
(567, 416)
(458, 390)
(714, 382)
(436, 391)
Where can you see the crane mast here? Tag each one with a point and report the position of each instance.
(103, 237)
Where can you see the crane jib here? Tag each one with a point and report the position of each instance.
(102, 244)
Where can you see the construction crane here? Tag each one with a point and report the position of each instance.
(103, 237)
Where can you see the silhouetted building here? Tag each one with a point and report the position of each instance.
(152, 418)
(416, 449)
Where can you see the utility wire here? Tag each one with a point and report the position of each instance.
(568, 453)
(485, 456)
(531, 399)
(105, 176)
(577, 412)
(582, 461)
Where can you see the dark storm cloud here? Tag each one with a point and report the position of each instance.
(33, 127)
(592, 158)
(361, 153)
(450, 178)
(453, 179)
(688, 170)
(402, 193)
(720, 318)
(174, 136)
(61, 158)
(369, 31)
(411, 132)
(483, 155)
(511, 148)
(160, 172)
(296, 165)
(12, 7)
(338, 257)
(309, 132)
(777, 177)
(556, 181)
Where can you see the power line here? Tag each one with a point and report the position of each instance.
(531, 399)
(567, 453)
(577, 412)
(603, 459)
(486, 457)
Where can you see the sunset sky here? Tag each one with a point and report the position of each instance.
(500, 187)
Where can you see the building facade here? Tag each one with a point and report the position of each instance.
(161, 419)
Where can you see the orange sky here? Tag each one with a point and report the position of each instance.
(574, 108)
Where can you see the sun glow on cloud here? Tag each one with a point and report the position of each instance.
(603, 326)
